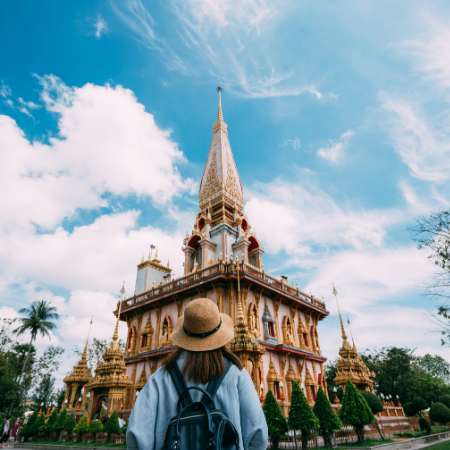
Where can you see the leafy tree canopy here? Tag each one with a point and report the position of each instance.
(276, 422)
(439, 413)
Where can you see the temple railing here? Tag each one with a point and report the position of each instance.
(215, 270)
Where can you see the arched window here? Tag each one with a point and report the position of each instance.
(288, 334)
(166, 330)
(252, 317)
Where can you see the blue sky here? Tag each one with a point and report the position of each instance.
(338, 119)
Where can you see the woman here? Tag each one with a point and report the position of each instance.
(5, 430)
(200, 338)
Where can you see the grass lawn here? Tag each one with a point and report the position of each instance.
(366, 443)
(76, 444)
(441, 446)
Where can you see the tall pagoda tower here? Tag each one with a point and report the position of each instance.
(275, 323)
(108, 390)
(350, 366)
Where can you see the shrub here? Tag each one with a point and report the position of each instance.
(61, 421)
(51, 421)
(301, 416)
(39, 425)
(415, 406)
(424, 425)
(355, 411)
(112, 424)
(276, 422)
(69, 424)
(28, 429)
(445, 399)
(82, 426)
(439, 413)
(96, 427)
(373, 401)
(328, 421)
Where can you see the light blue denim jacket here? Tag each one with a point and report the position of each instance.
(156, 405)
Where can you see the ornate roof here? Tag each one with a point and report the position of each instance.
(220, 178)
(111, 372)
(80, 372)
(350, 366)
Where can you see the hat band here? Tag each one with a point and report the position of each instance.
(202, 335)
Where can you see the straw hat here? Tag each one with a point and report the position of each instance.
(202, 327)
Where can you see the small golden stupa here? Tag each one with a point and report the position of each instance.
(350, 366)
(108, 389)
(76, 393)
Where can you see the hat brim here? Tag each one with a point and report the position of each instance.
(212, 342)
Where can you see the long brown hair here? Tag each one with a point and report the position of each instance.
(201, 367)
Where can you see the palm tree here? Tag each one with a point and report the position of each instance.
(37, 319)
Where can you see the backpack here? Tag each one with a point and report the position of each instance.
(199, 425)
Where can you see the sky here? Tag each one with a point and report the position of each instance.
(338, 118)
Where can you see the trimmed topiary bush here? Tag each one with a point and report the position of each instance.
(328, 421)
(301, 416)
(439, 413)
(355, 411)
(445, 399)
(415, 406)
(112, 424)
(276, 422)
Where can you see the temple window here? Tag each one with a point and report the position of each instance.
(253, 318)
(144, 341)
(271, 329)
(254, 252)
(288, 335)
(166, 330)
(196, 256)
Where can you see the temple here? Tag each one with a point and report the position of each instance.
(275, 323)
(276, 334)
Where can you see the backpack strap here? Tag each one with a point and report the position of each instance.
(214, 384)
(180, 384)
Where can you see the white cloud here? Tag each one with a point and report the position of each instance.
(232, 44)
(107, 143)
(334, 151)
(100, 27)
(431, 50)
(303, 217)
(423, 147)
(368, 276)
(383, 326)
(98, 256)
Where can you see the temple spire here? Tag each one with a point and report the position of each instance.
(115, 336)
(220, 184)
(341, 323)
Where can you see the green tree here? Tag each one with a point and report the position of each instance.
(328, 421)
(28, 428)
(61, 421)
(51, 421)
(112, 424)
(433, 233)
(355, 411)
(39, 425)
(415, 406)
(69, 424)
(82, 426)
(445, 399)
(96, 427)
(376, 406)
(36, 320)
(301, 416)
(439, 413)
(435, 365)
(276, 422)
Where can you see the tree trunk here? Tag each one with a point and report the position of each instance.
(295, 440)
(305, 439)
(275, 442)
(327, 440)
(26, 360)
(360, 433)
(380, 432)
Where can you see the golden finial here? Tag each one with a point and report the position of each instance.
(220, 123)
(343, 334)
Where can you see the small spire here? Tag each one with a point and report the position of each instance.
(85, 350)
(343, 334)
(115, 337)
(220, 122)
